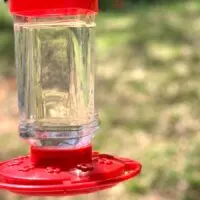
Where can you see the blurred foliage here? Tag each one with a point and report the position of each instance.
(106, 5)
(6, 42)
(148, 97)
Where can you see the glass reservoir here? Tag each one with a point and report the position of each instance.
(55, 78)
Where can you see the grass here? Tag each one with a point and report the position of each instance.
(148, 99)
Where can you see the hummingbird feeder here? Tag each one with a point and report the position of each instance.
(55, 61)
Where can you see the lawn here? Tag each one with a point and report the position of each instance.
(148, 95)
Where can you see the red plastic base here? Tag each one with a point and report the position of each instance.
(65, 158)
(24, 176)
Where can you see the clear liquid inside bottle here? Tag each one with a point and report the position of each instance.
(55, 77)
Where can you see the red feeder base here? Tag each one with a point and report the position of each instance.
(24, 176)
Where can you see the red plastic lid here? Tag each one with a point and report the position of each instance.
(23, 176)
(52, 7)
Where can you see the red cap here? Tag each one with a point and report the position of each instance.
(52, 7)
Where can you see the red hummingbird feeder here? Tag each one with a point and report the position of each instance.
(54, 50)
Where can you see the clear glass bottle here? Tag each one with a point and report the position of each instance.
(55, 77)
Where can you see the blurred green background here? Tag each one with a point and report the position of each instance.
(148, 96)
